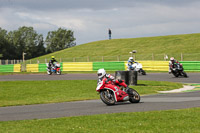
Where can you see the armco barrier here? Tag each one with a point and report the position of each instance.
(109, 66)
(6, 68)
(17, 68)
(32, 67)
(38, 67)
(191, 65)
(42, 67)
(153, 65)
(77, 66)
(10, 68)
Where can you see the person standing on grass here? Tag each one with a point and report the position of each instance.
(109, 33)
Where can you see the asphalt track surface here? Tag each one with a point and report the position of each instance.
(193, 77)
(90, 107)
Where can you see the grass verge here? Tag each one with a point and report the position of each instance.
(38, 92)
(176, 121)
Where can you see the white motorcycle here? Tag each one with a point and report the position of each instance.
(137, 67)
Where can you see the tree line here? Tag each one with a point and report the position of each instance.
(27, 40)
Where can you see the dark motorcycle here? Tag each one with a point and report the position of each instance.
(178, 70)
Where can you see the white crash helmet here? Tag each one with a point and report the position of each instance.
(101, 73)
(130, 59)
(172, 58)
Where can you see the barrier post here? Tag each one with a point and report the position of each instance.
(118, 58)
(152, 56)
(88, 59)
(181, 56)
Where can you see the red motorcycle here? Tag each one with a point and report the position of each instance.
(111, 93)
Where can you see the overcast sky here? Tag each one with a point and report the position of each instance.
(90, 19)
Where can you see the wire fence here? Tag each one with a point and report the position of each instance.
(154, 57)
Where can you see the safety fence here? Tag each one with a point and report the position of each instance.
(94, 66)
(137, 56)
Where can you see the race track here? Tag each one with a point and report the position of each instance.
(90, 107)
(193, 77)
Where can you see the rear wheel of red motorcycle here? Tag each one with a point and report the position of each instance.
(107, 97)
(135, 97)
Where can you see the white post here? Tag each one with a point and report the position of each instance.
(181, 56)
(152, 56)
(118, 57)
(88, 59)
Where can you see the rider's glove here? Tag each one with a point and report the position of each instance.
(120, 80)
(109, 79)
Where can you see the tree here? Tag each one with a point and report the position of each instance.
(26, 39)
(7, 50)
(60, 39)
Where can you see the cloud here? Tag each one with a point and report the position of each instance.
(90, 19)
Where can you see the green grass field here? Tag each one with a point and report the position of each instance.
(172, 45)
(37, 92)
(176, 121)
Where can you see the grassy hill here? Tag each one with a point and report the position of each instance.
(172, 45)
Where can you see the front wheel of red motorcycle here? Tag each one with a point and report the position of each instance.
(107, 97)
(135, 97)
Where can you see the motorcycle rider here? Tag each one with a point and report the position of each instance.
(51, 62)
(130, 63)
(172, 64)
(102, 74)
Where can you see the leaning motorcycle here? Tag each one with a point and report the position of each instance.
(138, 67)
(110, 93)
(55, 69)
(178, 70)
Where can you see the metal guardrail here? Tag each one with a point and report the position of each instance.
(94, 66)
